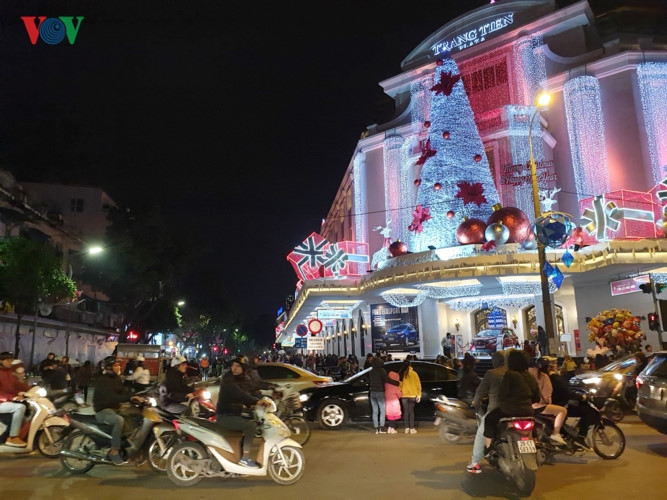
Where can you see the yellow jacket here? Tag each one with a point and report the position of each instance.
(411, 386)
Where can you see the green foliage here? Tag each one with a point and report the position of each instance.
(30, 272)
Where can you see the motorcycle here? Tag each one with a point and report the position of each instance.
(513, 452)
(89, 441)
(207, 453)
(605, 438)
(45, 425)
(455, 419)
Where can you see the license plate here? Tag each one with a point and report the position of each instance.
(527, 446)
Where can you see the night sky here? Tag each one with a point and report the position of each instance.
(239, 118)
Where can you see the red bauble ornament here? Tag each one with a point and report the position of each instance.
(515, 220)
(478, 158)
(398, 248)
(450, 214)
(439, 62)
(471, 231)
(445, 135)
(437, 186)
(418, 182)
(427, 124)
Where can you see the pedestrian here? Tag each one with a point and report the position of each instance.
(411, 389)
(83, 377)
(46, 367)
(69, 371)
(569, 367)
(369, 360)
(468, 380)
(542, 341)
(203, 366)
(392, 397)
(446, 344)
(528, 349)
(649, 349)
(377, 378)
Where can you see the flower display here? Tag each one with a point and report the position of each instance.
(616, 329)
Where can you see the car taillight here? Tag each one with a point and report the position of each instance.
(639, 382)
(175, 422)
(441, 408)
(523, 425)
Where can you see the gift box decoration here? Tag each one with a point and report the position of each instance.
(621, 214)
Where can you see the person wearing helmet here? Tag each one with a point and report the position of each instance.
(141, 376)
(11, 389)
(108, 395)
(232, 398)
(175, 392)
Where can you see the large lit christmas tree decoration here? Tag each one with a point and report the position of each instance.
(459, 158)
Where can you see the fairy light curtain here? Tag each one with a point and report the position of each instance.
(360, 198)
(392, 182)
(652, 79)
(585, 125)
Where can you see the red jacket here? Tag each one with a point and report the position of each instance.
(10, 386)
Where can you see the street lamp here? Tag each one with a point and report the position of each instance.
(542, 101)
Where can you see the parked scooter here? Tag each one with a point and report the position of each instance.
(455, 419)
(89, 441)
(207, 453)
(513, 452)
(46, 426)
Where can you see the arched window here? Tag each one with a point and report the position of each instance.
(495, 317)
(529, 316)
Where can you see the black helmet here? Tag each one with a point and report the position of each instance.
(542, 363)
(6, 355)
(109, 361)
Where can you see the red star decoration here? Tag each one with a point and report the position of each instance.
(471, 193)
(488, 246)
(419, 216)
(427, 153)
(446, 84)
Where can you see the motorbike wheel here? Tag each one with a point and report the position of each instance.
(50, 447)
(286, 464)
(177, 467)
(524, 480)
(331, 415)
(299, 428)
(608, 440)
(447, 436)
(156, 459)
(78, 441)
(614, 410)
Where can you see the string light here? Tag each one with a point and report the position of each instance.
(392, 181)
(398, 299)
(653, 91)
(360, 197)
(448, 290)
(585, 125)
(522, 287)
(491, 301)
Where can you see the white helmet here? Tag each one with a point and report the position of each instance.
(178, 360)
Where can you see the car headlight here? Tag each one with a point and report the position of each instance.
(618, 376)
(592, 380)
(206, 395)
(42, 392)
(304, 397)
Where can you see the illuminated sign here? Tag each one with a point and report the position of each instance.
(472, 36)
(630, 285)
(519, 173)
(52, 30)
(333, 314)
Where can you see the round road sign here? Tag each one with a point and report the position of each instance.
(315, 326)
(302, 330)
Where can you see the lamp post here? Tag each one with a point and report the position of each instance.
(542, 101)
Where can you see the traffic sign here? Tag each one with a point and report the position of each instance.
(315, 326)
(301, 330)
(301, 343)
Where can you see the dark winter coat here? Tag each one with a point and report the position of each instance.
(177, 388)
(232, 398)
(378, 376)
(109, 392)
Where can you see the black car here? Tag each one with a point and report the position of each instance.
(652, 393)
(336, 404)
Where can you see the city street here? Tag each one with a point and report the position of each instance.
(358, 463)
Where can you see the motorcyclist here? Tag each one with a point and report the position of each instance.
(141, 376)
(108, 395)
(231, 400)
(11, 389)
(175, 393)
(488, 388)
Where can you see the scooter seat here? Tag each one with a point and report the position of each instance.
(213, 426)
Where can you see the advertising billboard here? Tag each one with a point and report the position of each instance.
(394, 329)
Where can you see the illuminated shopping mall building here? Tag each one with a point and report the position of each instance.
(454, 162)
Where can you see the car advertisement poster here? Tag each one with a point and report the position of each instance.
(394, 329)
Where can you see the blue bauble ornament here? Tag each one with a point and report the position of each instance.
(553, 229)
